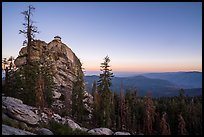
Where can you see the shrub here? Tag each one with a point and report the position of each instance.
(60, 129)
(11, 122)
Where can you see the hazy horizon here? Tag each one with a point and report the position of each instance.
(128, 74)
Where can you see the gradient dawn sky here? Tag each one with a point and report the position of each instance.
(138, 37)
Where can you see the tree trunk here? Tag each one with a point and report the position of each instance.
(40, 93)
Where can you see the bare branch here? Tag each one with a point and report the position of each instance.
(22, 31)
(31, 7)
(34, 29)
(25, 13)
(29, 31)
(25, 43)
(25, 25)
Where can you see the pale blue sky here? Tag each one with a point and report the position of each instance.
(138, 37)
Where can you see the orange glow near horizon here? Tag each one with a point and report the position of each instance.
(149, 68)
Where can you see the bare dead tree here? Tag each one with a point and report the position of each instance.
(29, 30)
(149, 115)
(164, 125)
(181, 125)
(122, 107)
(40, 92)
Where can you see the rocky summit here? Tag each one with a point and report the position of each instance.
(64, 64)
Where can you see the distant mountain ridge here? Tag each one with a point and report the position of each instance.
(192, 79)
(168, 85)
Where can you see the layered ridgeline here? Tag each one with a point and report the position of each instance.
(64, 67)
(160, 84)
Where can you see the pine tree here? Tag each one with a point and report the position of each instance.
(6, 79)
(24, 83)
(113, 114)
(29, 30)
(112, 111)
(33, 82)
(25, 78)
(122, 108)
(96, 108)
(49, 85)
(129, 112)
(78, 108)
(105, 93)
(95, 105)
(94, 88)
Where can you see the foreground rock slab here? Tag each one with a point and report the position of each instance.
(19, 111)
(73, 125)
(100, 131)
(44, 131)
(121, 133)
(7, 130)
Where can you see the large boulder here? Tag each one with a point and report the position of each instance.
(84, 129)
(73, 125)
(56, 117)
(121, 133)
(7, 130)
(19, 111)
(100, 131)
(44, 131)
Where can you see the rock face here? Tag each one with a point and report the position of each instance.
(64, 66)
(17, 110)
(100, 131)
(7, 130)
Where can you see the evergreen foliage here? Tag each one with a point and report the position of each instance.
(29, 30)
(147, 115)
(103, 87)
(95, 105)
(60, 129)
(24, 84)
(156, 116)
(94, 88)
(33, 82)
(78, 108)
